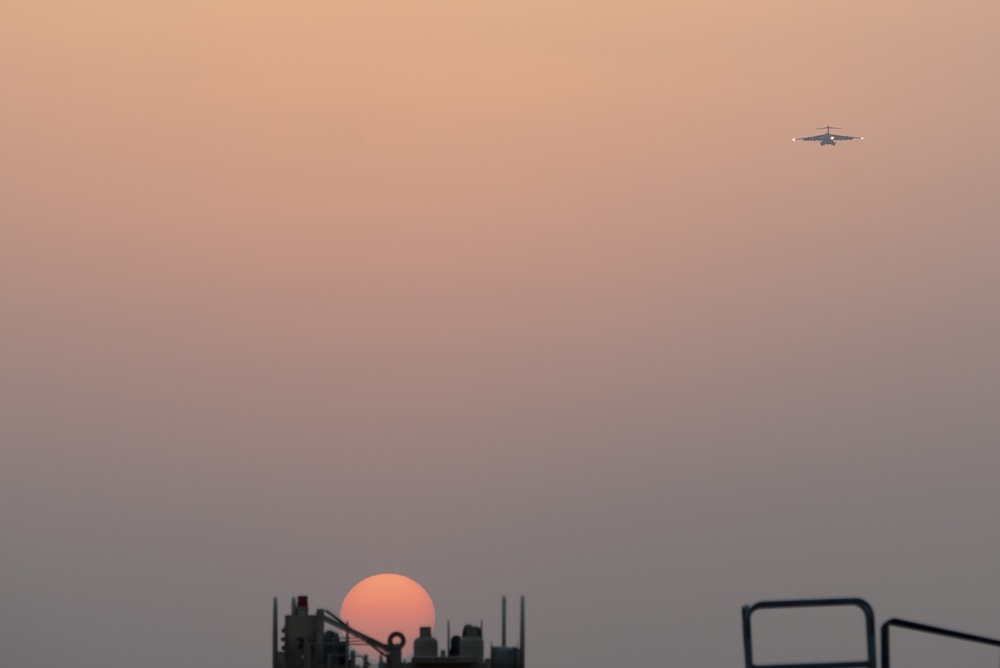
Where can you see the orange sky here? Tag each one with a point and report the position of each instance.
(293, 293)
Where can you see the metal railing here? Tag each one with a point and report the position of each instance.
(863, 605)
(924, 628)
(870, 662)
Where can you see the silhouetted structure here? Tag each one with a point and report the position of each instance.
(306, 643)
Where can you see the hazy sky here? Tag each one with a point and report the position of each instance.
(509, 296)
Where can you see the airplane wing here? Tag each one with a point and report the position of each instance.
(815, 138)
(844, 138)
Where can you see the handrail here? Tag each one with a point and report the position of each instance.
(924, 628)
(870, 662)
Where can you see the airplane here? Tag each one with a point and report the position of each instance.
(827, 138)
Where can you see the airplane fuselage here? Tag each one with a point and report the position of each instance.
(827, 138)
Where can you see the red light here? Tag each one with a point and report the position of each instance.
(303, 602)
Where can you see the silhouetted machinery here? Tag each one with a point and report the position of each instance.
(306, 643)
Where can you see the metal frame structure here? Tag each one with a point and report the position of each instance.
(870, 662)
(933, 630)
(863, 605)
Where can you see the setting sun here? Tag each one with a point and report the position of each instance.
(382, 604)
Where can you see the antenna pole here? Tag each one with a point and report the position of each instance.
(503, 621)
(274, 635)
(520, 650)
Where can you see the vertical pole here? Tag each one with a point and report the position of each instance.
(503, 621)
(747, 641)
(274, 635)
(520, 650)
